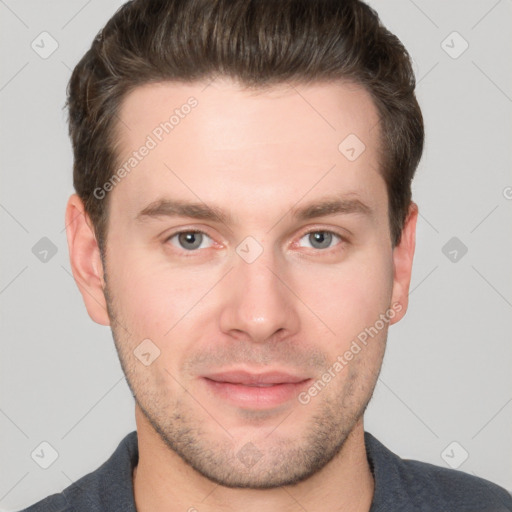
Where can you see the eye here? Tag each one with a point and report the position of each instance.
(188, 240)
(192, 240)
(321, 239)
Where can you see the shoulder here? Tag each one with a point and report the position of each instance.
(53, 503)
(108, 488)
(450, 487)
(428, 487)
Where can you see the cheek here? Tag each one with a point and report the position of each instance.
(151, 296)
(350, 296)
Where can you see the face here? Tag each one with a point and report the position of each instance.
(250, 277)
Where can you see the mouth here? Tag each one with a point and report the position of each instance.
(255, 390)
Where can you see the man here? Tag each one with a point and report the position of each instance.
(243, 221)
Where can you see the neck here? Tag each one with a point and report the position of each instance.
(162, 481)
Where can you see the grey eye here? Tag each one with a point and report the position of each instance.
(189, 240)
(320, 239)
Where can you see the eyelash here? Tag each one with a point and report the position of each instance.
(197, 231)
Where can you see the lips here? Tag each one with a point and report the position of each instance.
(255, 390)
(255, 379)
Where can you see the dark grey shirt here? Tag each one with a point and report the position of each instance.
(400, 485)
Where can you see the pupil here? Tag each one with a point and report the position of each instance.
(322, 237)
(191, 239)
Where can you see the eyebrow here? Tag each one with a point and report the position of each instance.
(332, 205)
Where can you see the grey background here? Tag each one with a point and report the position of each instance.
(446, 376)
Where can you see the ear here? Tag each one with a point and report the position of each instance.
(86, 265)
(403, 255)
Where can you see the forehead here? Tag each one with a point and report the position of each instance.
(219, 142)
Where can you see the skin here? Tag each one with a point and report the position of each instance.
(296, 308)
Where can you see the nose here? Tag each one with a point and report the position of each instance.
(260, 304)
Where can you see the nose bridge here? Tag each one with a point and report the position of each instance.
(259, 303)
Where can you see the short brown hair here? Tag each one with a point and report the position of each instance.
(258, 43)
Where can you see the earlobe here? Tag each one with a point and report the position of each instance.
(85, 260)
(403, 255)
